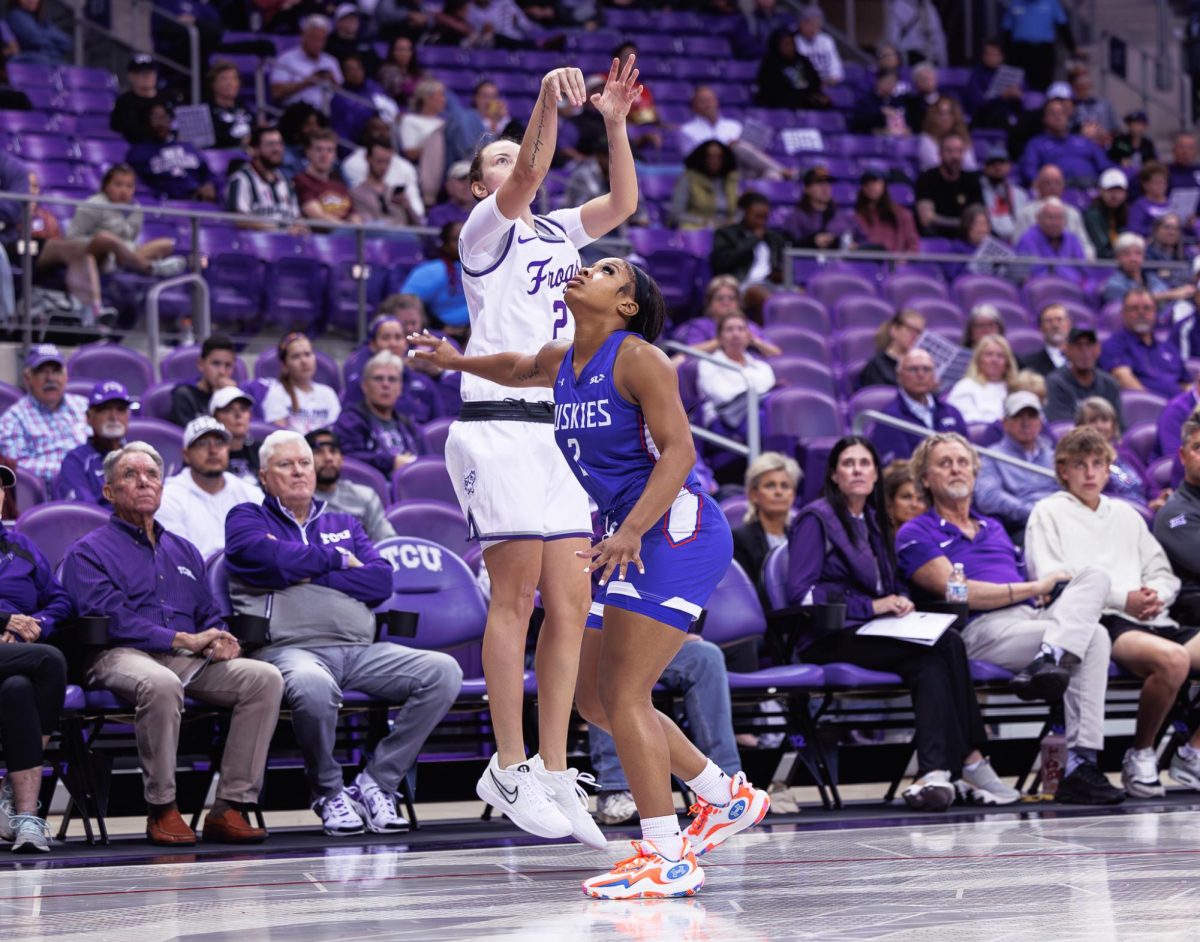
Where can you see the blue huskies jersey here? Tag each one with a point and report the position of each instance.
(603, 435)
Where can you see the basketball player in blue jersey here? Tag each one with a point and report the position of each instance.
(620, 423)
(519, 497)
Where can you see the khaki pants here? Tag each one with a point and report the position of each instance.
(154, 684)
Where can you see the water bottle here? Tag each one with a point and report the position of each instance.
(1054, 760)
(956, 586)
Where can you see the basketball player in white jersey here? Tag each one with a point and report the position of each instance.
(521, 500)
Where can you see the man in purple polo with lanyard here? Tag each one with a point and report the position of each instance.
(1068, 645)
(1136, 358)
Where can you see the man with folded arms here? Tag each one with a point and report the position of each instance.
(165, 634)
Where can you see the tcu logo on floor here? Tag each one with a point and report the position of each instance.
(413, 557)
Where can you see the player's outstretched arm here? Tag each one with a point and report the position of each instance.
(541, 137)
(604, 213)
(519, 370)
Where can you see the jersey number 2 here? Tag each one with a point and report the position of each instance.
(573, 444)
(560, 320)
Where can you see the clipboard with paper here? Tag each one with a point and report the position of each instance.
(915, 627)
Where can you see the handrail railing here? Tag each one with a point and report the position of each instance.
(753, 444)
(153, 328)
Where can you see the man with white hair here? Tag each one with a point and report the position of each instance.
(1050, 240)
(817, 46)
(165, 633)
(1050, 183)
(1130, 253)
(708, 124)
(315, 574)
(307, 72)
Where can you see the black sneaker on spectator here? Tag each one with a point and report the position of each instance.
(1041, 679)
(1087, 785)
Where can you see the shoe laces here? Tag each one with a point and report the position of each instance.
(30, 822)
(582, 779)
(338, 805)
(701, 811)
(376, 800)
(638, 860)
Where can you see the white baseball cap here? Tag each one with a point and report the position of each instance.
(226, 396)
(201, 426)
(1113, 179)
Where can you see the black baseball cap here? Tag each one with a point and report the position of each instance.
(142, 63)
(316, 435)
(1082, 333)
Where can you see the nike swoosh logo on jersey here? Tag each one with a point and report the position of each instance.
(510, 794)
(530, 239)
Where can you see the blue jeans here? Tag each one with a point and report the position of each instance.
(697, 672)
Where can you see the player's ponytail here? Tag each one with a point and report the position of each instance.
(651, 312)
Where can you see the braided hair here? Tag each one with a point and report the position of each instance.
(651, 312)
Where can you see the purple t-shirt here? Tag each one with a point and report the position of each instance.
(1158, 367)
(990, 557)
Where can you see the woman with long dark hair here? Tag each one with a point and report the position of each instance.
(842, 550)
(786, 79)
(706, 193)
(884, 224)
(620, 424)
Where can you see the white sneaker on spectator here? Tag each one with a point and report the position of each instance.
(168, 267)
(7, 811)
(1139, 774)
(933, 792)
(339, 816)
(1186, 772)
(522, 798)
(982, 786)
(566, 791)
(615, 807)
(31, 834)
(376, 807)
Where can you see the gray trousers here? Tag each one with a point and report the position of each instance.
(424, 684)
(1012, 636)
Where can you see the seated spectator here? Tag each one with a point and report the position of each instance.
(1166, 245)
(786, 79)
(1091, 117)
(1139, 360)
(1050, 240)
(401, 70)
(1081, 160)
(881, 221)
(706, 194)
(723, 391)
(297, 122)
(751, 32)
(1130, 252)
(297, 401)
(124, 570)
(1080, 379)
(708, 124)
(902, 497)
(1152, 179)
(372, 430)
(817, 47)
(983, 320)
(459, 202)
(771, 482)
(377, 200)
(170, 168)
(357, 500)
(1134, 148)
(196, 501)
(321, 195)
(350, 39)
(233, 409)
(721, 297)
(923, 94)
(306, 72)
(944, 191)
(881, 109)
(974, 229)
(44, 425)
(131, 111)
(81, 476)
(1184, 168)
(1080, 528)
(943, 117)
(1175, 527)
(1049, 184)
(487, 119)
(1108, 215)
(1008, 491)
(503, 24)
(232, 122)
(259, 190)
(749, 249)
(400, 173)
(1029, 381)
(980, 394)
(1000, 111)
(841, 549)
(11, 99)
(1128, 478)
(894, 339)
(359, 99)
(816, 222)
(1003, 199)
(420, 136)
(887, 59)
(917, 404)
(590, 178)
(317, 575)
(1059, 652)
(40, 41)
(1055, 324)
(418, 395)
(215, 366)
(33, 682)
(438, 283)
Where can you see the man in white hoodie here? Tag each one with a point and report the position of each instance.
(1080, 527)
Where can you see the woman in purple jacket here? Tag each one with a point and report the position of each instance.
(841, 550)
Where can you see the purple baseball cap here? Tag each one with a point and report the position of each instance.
(110, 391)
(41, 353)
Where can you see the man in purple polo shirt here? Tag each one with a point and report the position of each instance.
(915, 403)
(1136, 358)
(165, 634)
(1081, 160)
(81, 476)
(1068, 645)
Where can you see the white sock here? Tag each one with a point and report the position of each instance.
(1187, 751)
(664, 834)
(712, 784)
(972, 766)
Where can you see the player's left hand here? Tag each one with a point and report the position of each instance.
(621, 90)
(615, 553)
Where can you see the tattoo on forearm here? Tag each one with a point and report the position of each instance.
(537, 142)
(532, 373)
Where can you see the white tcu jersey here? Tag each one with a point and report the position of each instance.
(513, 278)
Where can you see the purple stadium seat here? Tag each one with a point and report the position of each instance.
(1048, 289)
(235, 282)
(648, 240)
(24, 75)
(1013, 313)
(1142, 440)
(179, 366)
(903, 287)
(970, 290)
(657, 187)
(167, 440)
(803, 373)
(796, 310)
(871, 397)
(794, 416)
(1082, 315)
(104, 361)
(698, 241)
(155, 402)
(103, 153)
(53, 527)
(829, 287)
(676, 272)
(687, 371)
(30, 489)
(854, 344)
(8, 395)
(1057, 429)
(95, 127)
(862, 311)
(734, 509)
(87, 102)
(294, 293)
(1140, 406)
(259, 430)
(35, 147)
(427, 478)
(938, 312)
(359, 472)
(266, 366)
(984, 434)
(1160, 471)
(434, 432)
(87, 79)
(433, 520)
(1023, 340)
(799, 342)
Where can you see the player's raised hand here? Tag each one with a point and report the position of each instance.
(621, 90)
(567, 82)
(436, 350)
(614, 553)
